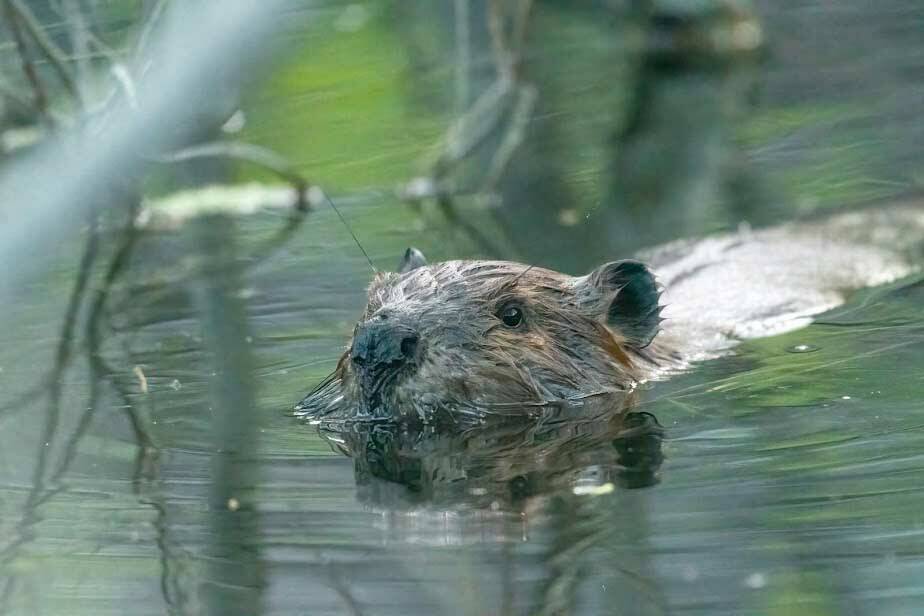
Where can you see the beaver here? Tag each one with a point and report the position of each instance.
(474, 334)
(471, 334)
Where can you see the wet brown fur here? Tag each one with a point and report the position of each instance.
(565, 348)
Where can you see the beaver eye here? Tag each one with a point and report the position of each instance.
(511, 315)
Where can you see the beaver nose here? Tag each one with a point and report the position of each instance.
(381, 344)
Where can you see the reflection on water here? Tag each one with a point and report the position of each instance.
(503, 460)
(780, 479)
(785, 479)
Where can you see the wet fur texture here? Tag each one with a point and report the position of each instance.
(579, 336)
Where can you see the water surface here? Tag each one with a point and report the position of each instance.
(784, 479)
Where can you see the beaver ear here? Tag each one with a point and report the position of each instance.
(411, 260)
(634, 309)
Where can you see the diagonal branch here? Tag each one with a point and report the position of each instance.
(28, 66)
(18, 12)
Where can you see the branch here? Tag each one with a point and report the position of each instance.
(262, 157)
(17, 10)
(28, 67)
(485, 116)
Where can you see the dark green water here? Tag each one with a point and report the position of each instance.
(787, 479)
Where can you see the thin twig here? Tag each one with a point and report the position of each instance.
(146, 481)
(473, 128)
(52, 52)
(154, 291)
(147, 452)
(508, 42)
(269, 160)
(482, 118)
(521, 21)
(256, 155)
(65, 350)
(28, 67)
(39, 494)
(102, 48)
(150, 22)
(51, 383)
(79, 42)
(66, 338)
(513, 138)
(497, 28)
(170, 574)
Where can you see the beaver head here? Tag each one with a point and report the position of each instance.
(477, 334)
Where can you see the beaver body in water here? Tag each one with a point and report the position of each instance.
(463, 335)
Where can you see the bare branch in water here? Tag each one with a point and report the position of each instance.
(40, 97)
(43, 489)
(20, 13)
(306, 195)
(151, 21)
(63, 356)
(506, 104)
(80, 38)
(262, 157)
(61, 439)
(147, 451)
(51, 385)
(513, 138)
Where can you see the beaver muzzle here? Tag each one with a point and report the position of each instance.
(381, 352)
